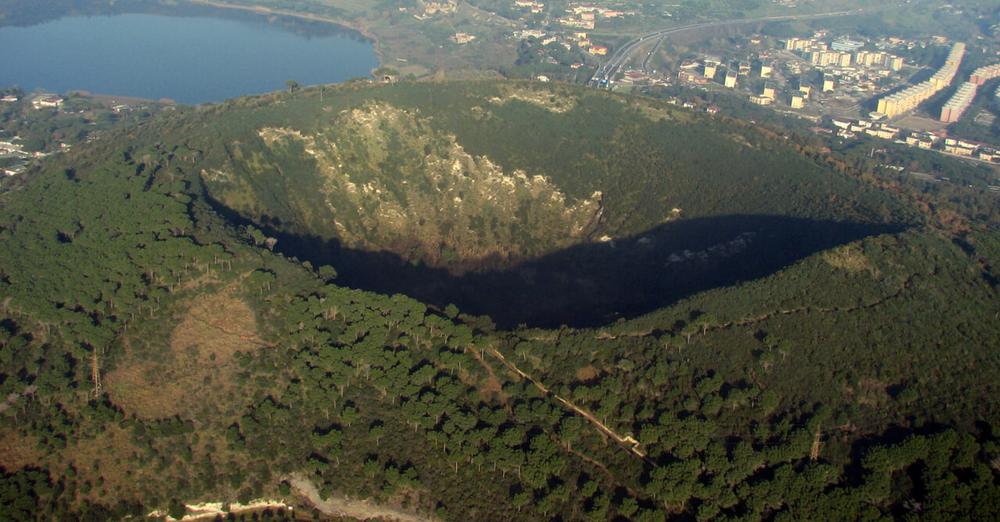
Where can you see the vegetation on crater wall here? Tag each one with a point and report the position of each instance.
(483, 175)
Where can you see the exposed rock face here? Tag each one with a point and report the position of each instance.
(388, 181)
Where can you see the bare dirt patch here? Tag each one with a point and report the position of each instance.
(17, 451)
(491, 388)
(868, 392)
(921, 123)
(586, 373)
(850, 258)
(872, 392)
(104, 461)
(197, 364)
(549, 101)
(356, 509)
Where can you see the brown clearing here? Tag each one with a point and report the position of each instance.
(17, 451)
(871, 392)
(492, 388)
(107, 456)
(343, 507)
(850, 258)
(586, 373)
(198, 364)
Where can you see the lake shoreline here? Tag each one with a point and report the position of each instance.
(270, 11)
(248, 53)
(106, 98)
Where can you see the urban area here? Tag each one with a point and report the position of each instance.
(38, 124)
(909, 91)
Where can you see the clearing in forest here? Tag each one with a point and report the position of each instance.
(17, 451)
(197, 365)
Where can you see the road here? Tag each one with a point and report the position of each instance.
(607, 71)
(343, 507)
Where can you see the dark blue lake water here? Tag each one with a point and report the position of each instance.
(187, 59)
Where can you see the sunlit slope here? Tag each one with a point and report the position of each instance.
(477, 175)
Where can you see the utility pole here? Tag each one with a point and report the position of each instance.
(816, 445)
(95, 372)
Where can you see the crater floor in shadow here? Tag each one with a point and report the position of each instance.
(596, 283)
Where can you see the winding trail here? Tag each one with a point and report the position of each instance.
(627, 441)
(747, 321)
(493, 384)
(597, 464)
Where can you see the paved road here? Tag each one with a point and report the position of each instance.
(607, 71)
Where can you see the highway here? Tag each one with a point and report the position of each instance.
(607, 71)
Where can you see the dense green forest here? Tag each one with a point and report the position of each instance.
(160, 344)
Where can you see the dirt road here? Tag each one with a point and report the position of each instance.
(627, 440)
(345, 507)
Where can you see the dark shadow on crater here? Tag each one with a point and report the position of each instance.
(596, 283)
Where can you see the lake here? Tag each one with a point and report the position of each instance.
(187, 59)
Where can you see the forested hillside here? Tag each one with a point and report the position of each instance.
(172, 332)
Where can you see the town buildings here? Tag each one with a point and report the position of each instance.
(47, 101)
(842, 52)
(824, 58)
(909, 98)
(586, 16)
(845, 44)
(984, 74)
(531, 5)
(730, 81)
(952, 110)
(711, 67)
(462, 38)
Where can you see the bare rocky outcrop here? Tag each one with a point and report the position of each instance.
(387, 180)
